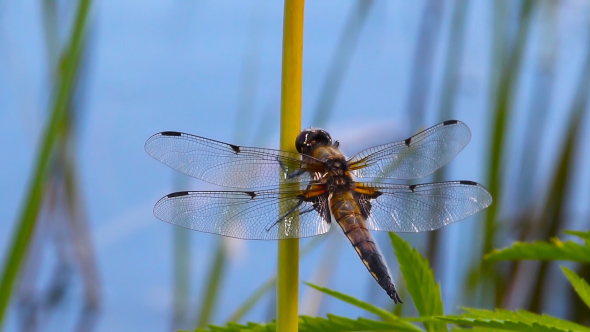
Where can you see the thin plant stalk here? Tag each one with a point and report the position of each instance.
(288, 264)
(30, 211)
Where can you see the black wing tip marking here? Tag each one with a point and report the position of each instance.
(250, 193)
(235, 148)
(412, 187)
(445, 123)
(469, 183)
(171, 133)
(177, 194)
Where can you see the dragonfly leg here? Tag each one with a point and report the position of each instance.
(286, 214)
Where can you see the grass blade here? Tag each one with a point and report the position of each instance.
(506, 89)
(355, 302)
(423, 63)
(30, 210)
(213, 283)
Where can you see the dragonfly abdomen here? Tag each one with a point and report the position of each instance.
(347, 213)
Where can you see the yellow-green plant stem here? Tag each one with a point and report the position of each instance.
(28, 216)
(288, 265)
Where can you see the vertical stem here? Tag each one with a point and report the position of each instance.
(288, 265)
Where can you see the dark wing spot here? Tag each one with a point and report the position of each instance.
(408, 141)
(469, 183)
(411, 187)
(250, 193)
(450, 122)
(180, 193)
(170, 133)
(235, 148)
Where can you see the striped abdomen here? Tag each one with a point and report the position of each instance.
(348, 215)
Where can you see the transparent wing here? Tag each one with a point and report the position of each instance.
(419, 208)
(227, 164)
(415, 157)
(252, 215)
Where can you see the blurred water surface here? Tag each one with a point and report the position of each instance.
(193, 66)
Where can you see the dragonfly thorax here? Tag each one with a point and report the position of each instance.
(337, 178)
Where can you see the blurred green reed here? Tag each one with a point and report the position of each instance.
(422, 65)
(67, 72)
(527, 195)
(341, 59)
(507, 63)
(448, 94)
(182, 276)
(212, 284)
(553, 217)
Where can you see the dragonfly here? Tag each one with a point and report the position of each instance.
(284, 195)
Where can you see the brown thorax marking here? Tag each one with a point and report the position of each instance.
(337, 177)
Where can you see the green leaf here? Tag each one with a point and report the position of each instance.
(312, 324)
(499, 324)
(419, 279)
(521, 320)
(388, 316)
(539, 250)
(355, 302)
(583, 235)
(579, 284)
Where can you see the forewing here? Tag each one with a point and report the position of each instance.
(419, 208)
(252, 215)
(229, 165)
(415, 157)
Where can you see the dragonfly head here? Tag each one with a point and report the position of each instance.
(311, 138)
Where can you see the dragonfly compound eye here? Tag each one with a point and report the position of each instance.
(310, 138)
